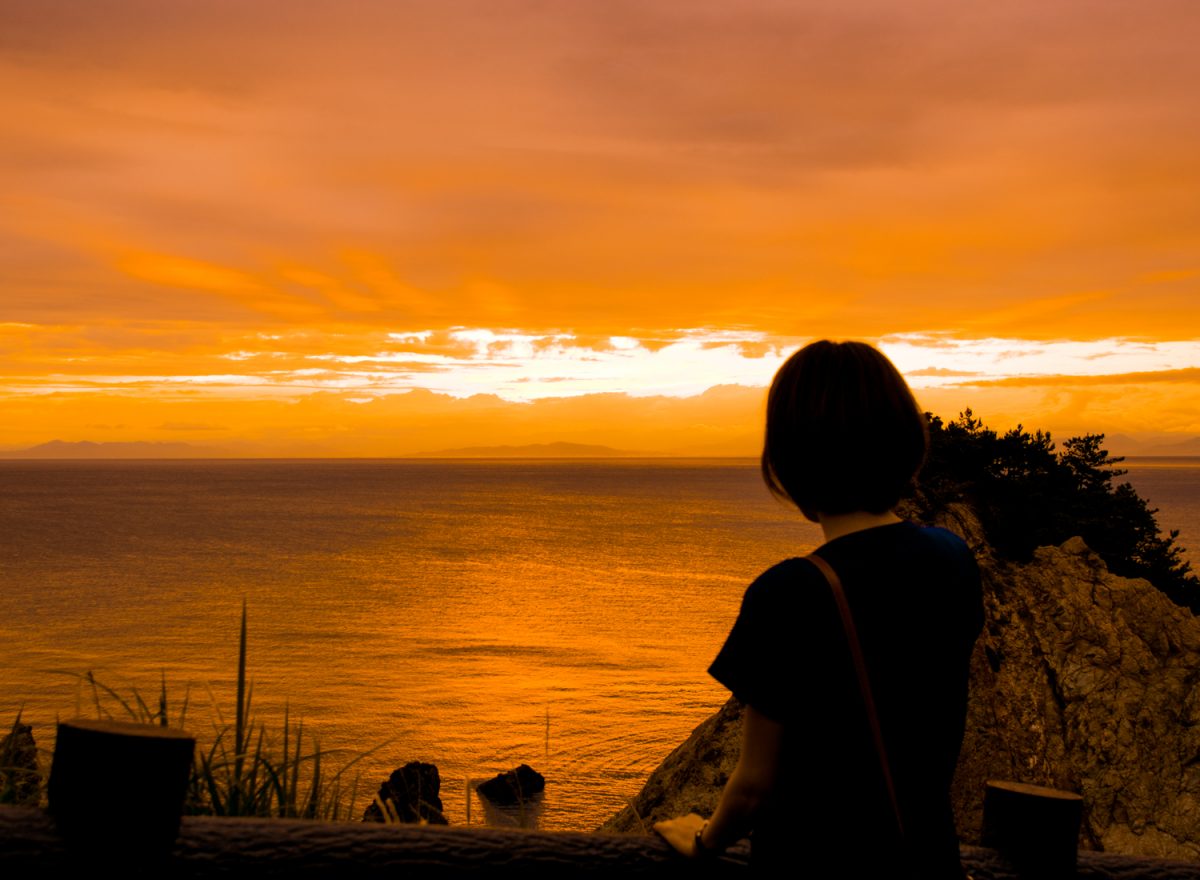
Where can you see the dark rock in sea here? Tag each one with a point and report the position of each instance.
(20, 781)
(411, 794)
(512, 787)
(1082, 680)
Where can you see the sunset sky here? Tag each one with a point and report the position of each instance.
(379, 228)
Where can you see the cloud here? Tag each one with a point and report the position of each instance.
(725, 420)
(190, 426)
(939, 371)
(1170, 276)
(222, 202)
(1188, 375)
(995, 361)
(602, 167)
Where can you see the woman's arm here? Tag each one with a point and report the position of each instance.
(752, 782)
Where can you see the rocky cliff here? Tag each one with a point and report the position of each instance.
(1081, 680)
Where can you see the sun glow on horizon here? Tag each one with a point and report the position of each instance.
(520, 366)
(303, 392)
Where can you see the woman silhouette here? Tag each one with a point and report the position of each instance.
(821, 786)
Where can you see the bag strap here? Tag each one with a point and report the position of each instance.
(864, 683)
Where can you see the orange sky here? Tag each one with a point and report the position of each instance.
(256, 227)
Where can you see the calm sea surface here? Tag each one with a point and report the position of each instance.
(476, 614)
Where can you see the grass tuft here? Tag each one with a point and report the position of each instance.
(20, 782)
(247, 769)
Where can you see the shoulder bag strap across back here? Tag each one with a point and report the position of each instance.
(864, 683)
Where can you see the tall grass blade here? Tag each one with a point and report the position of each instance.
(314, 791)
(239, 734)
(143, 714)
(247, 769)
(103, 712)
(287, 794)
(162, 700)
(296, 761)
(187, 695)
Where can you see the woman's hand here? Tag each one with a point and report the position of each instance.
(751, 783)
(681, 832)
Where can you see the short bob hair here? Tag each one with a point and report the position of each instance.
(844, 432)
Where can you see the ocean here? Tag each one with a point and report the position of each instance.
(475, 614)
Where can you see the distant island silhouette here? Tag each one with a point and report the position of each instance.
(1125, 445)
(135, 449)
(93, 450)
(536, 450)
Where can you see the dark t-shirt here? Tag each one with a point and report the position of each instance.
(915, 596)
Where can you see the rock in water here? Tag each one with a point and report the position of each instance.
(512, 787)
(411, 794)
(19, 778)
(1081, 680)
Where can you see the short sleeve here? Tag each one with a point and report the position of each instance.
(757, 660)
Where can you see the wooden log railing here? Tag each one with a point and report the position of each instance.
(116, 791)
(267, 848)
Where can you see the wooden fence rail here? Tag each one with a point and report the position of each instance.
(116, 791)
(265, 848)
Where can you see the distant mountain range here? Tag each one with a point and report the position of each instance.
(534, 450)
(89, 449)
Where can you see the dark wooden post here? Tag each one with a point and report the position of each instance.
(117, 789)
(1035, 827)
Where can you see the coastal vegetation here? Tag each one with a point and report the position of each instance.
(1028, 493)
(246, 768)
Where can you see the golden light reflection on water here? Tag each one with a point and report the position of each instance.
(477, 615)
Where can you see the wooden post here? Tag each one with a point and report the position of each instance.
(116, 789)
(1035, 827)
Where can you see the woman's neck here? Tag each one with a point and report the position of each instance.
(834, 525)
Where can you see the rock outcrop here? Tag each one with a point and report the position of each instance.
(1082, 680)
(513, 786)
(1091, 682)
(690, 779)
(411, 794)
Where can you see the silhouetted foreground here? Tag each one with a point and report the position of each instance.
(1029, 493)
(1083, 681)
(411, 794)
(230, 848)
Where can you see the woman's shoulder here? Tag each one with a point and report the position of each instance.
(932, 560)
(950, 547)
(943, 538)
(783, 584)
(786, 573)
(918, 556)
(901, 539)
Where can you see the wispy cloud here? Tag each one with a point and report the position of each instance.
(523, 366)
(600, 166)
(938, 372)
(1006, 361)
(1190, 375)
